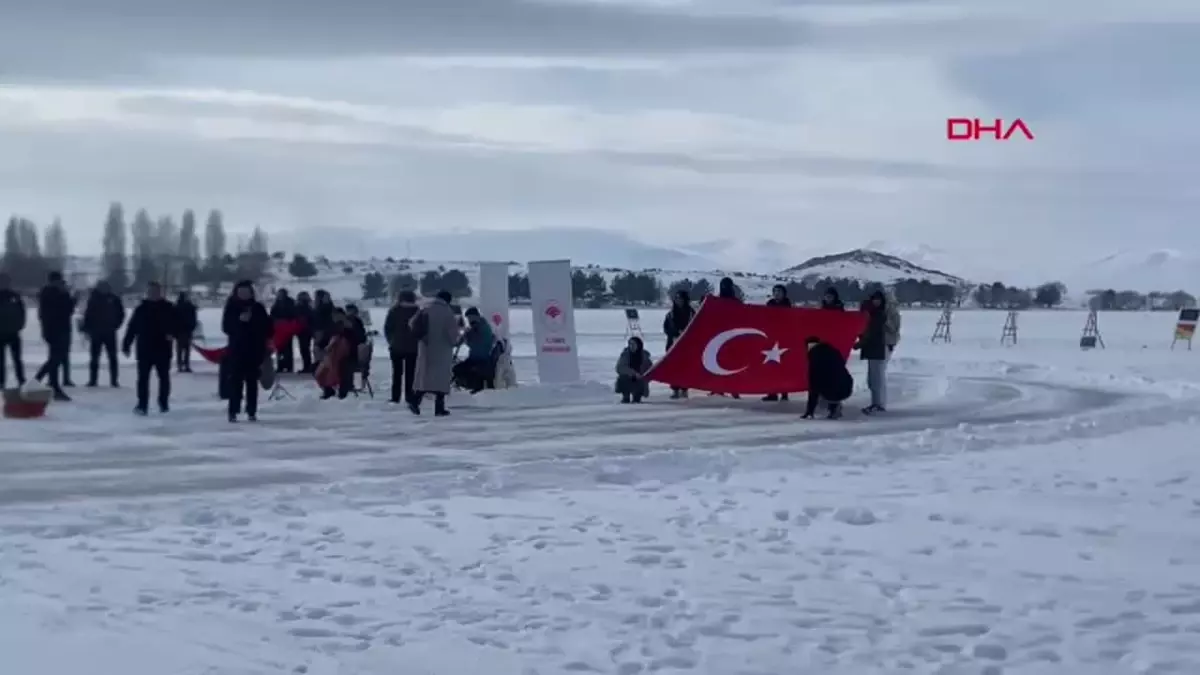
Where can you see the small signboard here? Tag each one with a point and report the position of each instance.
(633, 323)
(1185, 327)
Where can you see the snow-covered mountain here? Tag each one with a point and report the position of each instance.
(1154, 270)
(593, 246)
(869, 266)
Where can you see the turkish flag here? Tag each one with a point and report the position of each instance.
(735, 348)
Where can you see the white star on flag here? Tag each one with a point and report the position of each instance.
(774, 354)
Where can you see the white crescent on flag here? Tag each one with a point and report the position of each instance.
(712, 351)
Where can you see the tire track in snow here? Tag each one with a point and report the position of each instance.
(188, 453)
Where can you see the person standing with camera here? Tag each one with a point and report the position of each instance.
(248, 326)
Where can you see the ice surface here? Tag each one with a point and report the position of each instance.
(1022, 510)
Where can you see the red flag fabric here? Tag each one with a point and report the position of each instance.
(735, 348)
(282, 330)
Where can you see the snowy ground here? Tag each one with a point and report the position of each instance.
(1029, 509)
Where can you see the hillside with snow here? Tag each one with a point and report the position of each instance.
(1154, 270)
(868, 266)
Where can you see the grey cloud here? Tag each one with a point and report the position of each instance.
(76, 171)
(1142, 63)
(95, 35)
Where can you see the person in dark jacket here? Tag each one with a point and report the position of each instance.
(779, 298)
(284, 309)
(56, 309)
(832, 300)
(402, 345)
(102, 318)
(729, 290)
(248, 326)
(676, 321)
(873, 348)
(304, 339)
(323, 321)
(632, 367)
(152, 327)
(360, 362)
(12, 322)
(187, 319)
(828, 378)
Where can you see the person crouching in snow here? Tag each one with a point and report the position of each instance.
(828, 379)
(474, 371)
(779, 298)
(632, 367)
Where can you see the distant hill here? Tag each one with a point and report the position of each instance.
(1154, 270)
(869, 266)
(583, 245)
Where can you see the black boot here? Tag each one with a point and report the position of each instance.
(624, 398)
(771, 397)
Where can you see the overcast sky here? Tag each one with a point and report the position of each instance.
(817, 123)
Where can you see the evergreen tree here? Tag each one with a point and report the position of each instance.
(301, 267)
(402, 282)
(374, 286)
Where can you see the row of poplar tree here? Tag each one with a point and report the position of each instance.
(137, 251)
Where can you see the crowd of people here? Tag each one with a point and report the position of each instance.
(333, 343)
(335, 346)
(829, 379)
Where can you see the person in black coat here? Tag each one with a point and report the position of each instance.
(402, 345)
(828, 378)
(248, 326)
(152, 327)
(284, 309)
(323, 324)
(779, 298)
(102, 318)
(12, 322)
(832, 300)
(304, 339)
(676, 321)
(730, 291)
(727, 289)
(187, 319)
(56, 309)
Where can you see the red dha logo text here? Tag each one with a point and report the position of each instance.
(963, 129)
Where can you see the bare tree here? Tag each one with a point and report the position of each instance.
(214, 250)
(166, 255)
(142, 230)
(55, 246)
(114, 267)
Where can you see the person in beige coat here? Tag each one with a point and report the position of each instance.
(436, 330)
